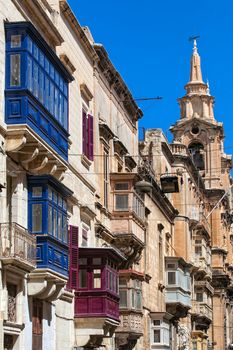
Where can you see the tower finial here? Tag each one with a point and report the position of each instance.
(195, 73)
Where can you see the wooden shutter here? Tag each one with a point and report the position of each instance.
(90, 137)
(73, 254)
(37, 328)
(85, 133)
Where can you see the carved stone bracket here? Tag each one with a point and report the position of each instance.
(130, 245)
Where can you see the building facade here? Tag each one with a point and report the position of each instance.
(105, 242)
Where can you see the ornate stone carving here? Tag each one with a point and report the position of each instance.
(184, 336)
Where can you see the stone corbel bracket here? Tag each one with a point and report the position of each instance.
(45, 285)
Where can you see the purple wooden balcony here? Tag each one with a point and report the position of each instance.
(97, 294)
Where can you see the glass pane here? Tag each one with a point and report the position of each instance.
(65, 230)
(56, 103)
(46, 96)
(15, 41)
(55, 197)
(133, 298)
(120, 186)
(35, 79)
(36, 217)
(59, 225)
(96, 278)
(29, 74)
(171, 277)
(29, 44)
(96, 261)
(37, 191)
(54, 222)
(50, 220)
(36, 52)
(83, 261)
(60, 201)
(122, 202)
(122, 282)
(41, 86)
(156, 322)
(15, 70)
(138, 300)
(156, 335)
(50, 194)
(123, 298)
(82, 278)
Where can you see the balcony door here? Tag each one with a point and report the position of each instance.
(37, 328)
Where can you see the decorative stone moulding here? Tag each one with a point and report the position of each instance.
(28, 150)
(45, 285)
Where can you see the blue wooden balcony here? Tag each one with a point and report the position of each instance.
(36, 87)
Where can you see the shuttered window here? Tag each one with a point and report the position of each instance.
(73, 252)
(88, 135)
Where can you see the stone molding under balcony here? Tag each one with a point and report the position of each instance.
(46, 284)
(129, 330)
(130, 245)
(18, 246)
(90, 332)
(30, 151)
(202, 314)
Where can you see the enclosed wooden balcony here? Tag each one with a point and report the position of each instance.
(18, 246)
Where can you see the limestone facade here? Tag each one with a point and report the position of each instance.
(148, 261)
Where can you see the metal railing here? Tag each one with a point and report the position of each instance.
(16, 242)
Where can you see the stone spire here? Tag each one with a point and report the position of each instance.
(195, 72)
(197, 102)
(196, 84)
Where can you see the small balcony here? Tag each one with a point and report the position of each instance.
(177, 292)
(97, 298)
(201, 310)
(204, 269)
(18, 247)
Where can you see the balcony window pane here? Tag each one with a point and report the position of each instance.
(82, 261)
(82, 278)
(50, 220)
(36, 52)
(123, 298)
(121, 186)
(199, 297)
(29, 74)
(50, 194)
(15, 70)
(35, 80)
(36, 217)
(41, 86)
(29, 44)
(133, 298)
(59, 225)
(15, 41)
(157, 336)
(37, 191)
(138, 300)
(65, 231)
(171, 277)
(55, 222)
(96, 261)
(97, 278)
(156, 322)
(46, 92)
(122, 202)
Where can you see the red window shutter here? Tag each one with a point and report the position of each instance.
(90, 137)
(73, 254)
(85, 133)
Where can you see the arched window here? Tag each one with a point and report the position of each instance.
(196, 150)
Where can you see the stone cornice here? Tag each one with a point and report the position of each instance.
(117, 83)
(36, 10)
(78, 30)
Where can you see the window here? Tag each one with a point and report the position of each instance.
(12, 293)
(47, 210)
(15, 69)
(130, 294)
(88, 137)
(37, 324)
(96, 278)
(199, 297)
(122, 202)
(171, 277)
(82, 274)
(84, 239)
(160, 332)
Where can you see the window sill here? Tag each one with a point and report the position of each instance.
(85, 161)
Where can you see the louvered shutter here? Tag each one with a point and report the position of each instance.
(85, 141)
(90, 137)
(73, 255)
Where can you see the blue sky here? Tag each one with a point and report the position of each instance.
(147, 42)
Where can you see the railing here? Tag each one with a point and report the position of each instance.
(202, 309)
(16, 242)
(130, 322)
(180, 149)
